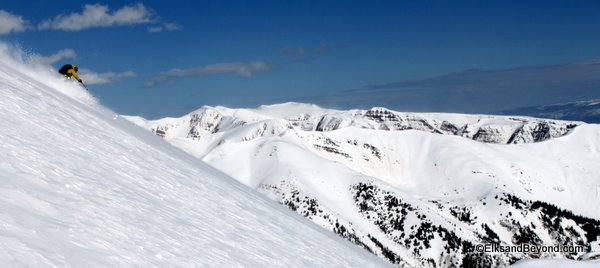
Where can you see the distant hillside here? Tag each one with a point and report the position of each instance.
(417, 189)
(587, 111)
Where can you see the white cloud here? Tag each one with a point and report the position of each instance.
(245, 69)
(56, 57)
(164, 27)
(90, 77)
(11, 23)
(98, 15)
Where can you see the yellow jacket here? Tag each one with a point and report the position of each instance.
(72, 72)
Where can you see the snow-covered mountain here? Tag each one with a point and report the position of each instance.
(306, 117)
(420, 190)
(587, 111)
(82, 187)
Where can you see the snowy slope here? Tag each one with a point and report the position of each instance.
(416, 189)
(82, 187)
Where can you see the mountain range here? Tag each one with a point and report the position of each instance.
(417, 189)
(588, 111)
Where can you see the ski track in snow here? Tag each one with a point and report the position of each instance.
(82, 187)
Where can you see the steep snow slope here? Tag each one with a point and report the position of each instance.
(82, 187)
(414, 197)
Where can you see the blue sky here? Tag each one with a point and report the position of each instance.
(167, 58)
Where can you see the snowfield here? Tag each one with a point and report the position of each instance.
(82, 187)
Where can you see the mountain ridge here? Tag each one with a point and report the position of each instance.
(402, 186)
(586, 110)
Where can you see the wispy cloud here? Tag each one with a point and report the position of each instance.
(321, 49)
(292, 50)
(56, 57)
(308, 53)
(11, 23)
(245, 69)
(164, 27)
(97, 15)
(310, 50)
(476, 91)
(91, 78)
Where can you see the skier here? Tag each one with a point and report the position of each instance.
(69, 70)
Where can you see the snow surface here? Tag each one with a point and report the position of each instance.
(82, 187)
